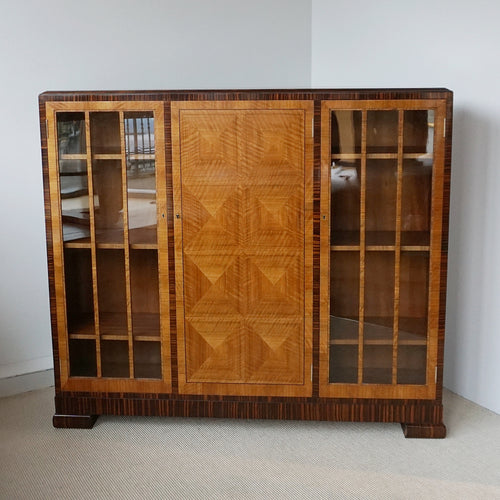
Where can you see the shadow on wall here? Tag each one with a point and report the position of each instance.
(472, 172)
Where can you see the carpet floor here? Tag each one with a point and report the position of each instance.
(175, 458)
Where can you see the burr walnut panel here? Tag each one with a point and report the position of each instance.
(241, 171)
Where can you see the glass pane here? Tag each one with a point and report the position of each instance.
(382, 132)
(344, 317)
(71, 134)
(381, 195)
(111, 292)
(144, 293)
(379, 317)
(82, 358)
(73, 180)
(108, 201)
(413, 295)
(141, 181)
(344, 295)
(78, 290)
(343, 364)
(377, 364)
(416, 202)
(346, 132)
(114, 358)
(147, 360)
(345, 177)
(345, 202)
(105, 133)
(412, 365)
(418, 132)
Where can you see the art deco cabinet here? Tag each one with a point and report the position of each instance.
(248, 254)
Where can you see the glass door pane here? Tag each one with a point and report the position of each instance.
(73, 180)
(141, 181)
(345, 207)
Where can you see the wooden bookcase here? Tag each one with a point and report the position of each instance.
(248, 254)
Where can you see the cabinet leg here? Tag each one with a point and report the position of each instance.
(74, 421)
(425, 431)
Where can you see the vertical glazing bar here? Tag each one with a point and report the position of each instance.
(90, 181)
(397, 250)
(134, 127)
(126, 246)
(362, 248)
(150, 151)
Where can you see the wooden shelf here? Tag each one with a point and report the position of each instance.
(113, 326)
(73, 157)
(349, 375)
(107, 156)
(81, 327)
(381, 156)
(376, 331)
(377, 241)
(140, 156)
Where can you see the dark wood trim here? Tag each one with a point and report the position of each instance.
(74, 421)
(410, 412)
(245, 94)
(49, 243)
(437, 431)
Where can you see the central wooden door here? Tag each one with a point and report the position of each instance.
(242, 175)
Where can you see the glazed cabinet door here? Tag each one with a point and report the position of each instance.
(382, 201)
(242, 174)
(108, 213)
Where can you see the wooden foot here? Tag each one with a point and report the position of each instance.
(74, 421)
(425, 431)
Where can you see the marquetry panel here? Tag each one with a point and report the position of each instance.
(242, 175)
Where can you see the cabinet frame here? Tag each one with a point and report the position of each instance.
(77, 407)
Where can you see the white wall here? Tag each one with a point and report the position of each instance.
(452, 44)
(113, 44)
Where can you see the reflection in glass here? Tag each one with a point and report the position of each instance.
(141, 181)
(418, 140)
(71, 134)
(73, 182)
(418, 132)
(345, 177)
(346, 132)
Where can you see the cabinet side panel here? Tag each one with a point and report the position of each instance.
(48, 233)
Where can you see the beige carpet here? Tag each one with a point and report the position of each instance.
(141, 458)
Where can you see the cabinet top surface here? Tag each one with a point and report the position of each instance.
(231, 94)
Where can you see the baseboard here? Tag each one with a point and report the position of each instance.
(26, 382)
